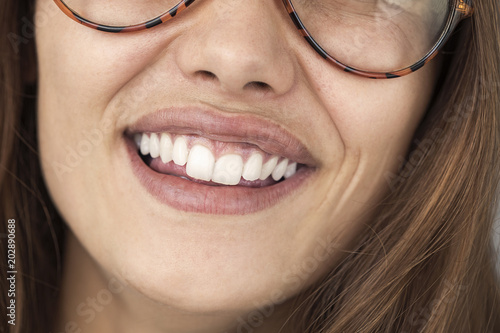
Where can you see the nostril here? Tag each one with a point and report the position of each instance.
(252, 85)
(206, 75)
(258, 85)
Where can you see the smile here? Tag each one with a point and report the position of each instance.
(201, 159)
(216, 163)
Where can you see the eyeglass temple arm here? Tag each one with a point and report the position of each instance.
(465, 8)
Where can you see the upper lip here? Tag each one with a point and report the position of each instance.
(216, 125)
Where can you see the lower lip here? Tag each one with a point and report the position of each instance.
(185, 195)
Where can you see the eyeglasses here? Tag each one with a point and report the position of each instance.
(374, 38)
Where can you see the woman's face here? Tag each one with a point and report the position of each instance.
(229, 78)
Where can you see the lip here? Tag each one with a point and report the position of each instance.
(265, 134)
(189, 196)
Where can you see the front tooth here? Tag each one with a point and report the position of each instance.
(280, 169)
(290, 170)
(200, 164)
(165, 148)
(145, 144)
(180, 151)
(154, 145)
(268, 167)
(228, 169)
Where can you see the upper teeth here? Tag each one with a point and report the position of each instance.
(201, 164)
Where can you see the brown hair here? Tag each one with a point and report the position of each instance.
(426, 262)
(23, 196)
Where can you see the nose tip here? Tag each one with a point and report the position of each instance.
(238, 51)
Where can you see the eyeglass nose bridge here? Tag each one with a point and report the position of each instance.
(462, 9)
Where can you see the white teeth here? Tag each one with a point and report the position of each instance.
(268, 167)
(145, 144)
(138, 139)
(180, 150)
(200, 161)
(253, 167)
(228, 169)
(154, 145)
(280, 169)
(200, 164)
(166, 147)
(290, 170)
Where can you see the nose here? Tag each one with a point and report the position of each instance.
(238, 46)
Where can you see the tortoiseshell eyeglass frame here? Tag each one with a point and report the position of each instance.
(461, 9)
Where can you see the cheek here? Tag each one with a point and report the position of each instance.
(373, 124)
(77, 79)
(81, 69)
(80, 72)
(377, 118)
(385, 118)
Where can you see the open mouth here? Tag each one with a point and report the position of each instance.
(213, 163)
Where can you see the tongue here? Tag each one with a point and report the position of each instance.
(173, 169)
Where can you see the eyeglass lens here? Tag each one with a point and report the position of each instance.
(370, 35)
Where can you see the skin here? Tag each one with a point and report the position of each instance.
(187, 272)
